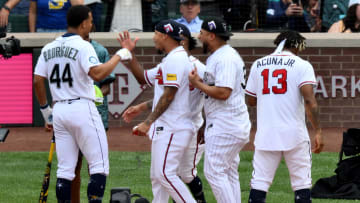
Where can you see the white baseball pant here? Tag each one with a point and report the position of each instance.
(192, 156)
(221, 165)
(167, 151)
(77, 125)
(298, 161)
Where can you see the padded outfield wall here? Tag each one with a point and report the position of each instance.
(335, 58)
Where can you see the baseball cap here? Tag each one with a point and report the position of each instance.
(170, 28)
(352, 2)
(186, 32)
(189, 1)
(217, 26)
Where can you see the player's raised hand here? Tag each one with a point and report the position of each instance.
(319, 143)
(131, 113)
(126, 42)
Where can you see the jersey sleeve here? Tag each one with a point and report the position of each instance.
(307, 76)
(226, 73)
(251, 85)
(173, 71)
(88, 58)
(40, 68)
(150, 75)
(200, 68)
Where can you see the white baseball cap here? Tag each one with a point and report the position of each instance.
(352, 2)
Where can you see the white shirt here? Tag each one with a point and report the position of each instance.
(172, 71)
(225, 68)
(280, 105)
(66, 62)
(196, 96)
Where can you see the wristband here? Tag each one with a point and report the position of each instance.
(124, 54)
(47, 114)
(6, 8)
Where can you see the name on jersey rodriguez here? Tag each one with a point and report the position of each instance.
(59, 52)
(274, 61)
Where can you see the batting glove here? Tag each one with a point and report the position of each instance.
(47, 113)
(124, 54)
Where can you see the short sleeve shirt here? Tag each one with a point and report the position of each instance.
(172, 71)
(225, 68)
(275, 81)
(66, 62)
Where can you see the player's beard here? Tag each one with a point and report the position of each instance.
(159, 51)
(205, 48)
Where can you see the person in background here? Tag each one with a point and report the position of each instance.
(312, 15)
(351, 22)
(5, 11)
(49, 16)
(190, 10)
(285, 14)
(96, 7)
(153, 11)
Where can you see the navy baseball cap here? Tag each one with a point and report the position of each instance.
(217, 26)
(186, 32)
(171, 28)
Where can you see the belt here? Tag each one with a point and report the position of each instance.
(69, 101)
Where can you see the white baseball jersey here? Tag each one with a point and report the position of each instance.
(275, 81)
(196, 96)
(225, 68)
(172, 71)
(66, 63)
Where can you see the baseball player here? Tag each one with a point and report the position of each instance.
(227, 120)
(281, 86)
(103, 88)
(170, 120)
(187, 169)
(70, 64)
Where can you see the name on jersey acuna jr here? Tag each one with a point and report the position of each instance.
(275, 61)
(58, 52)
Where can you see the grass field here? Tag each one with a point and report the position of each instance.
(21, 175)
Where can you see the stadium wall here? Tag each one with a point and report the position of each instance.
(335, 58)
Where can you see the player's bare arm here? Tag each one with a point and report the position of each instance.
(105, 89)
(164, 102)
(134, 64)
(251, 101)
(312, 112)
(136, 110)
(100, 72)
(222, 93)
(40, 92)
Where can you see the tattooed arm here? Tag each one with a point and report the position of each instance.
(163, 103)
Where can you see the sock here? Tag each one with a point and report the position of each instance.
(257, 196)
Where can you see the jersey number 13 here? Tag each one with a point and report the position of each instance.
(66, 76)
(281, 75)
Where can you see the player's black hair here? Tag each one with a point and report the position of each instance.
(293, 40)
(225, 38)
(76, 15)
(192, 43)
(350, 19)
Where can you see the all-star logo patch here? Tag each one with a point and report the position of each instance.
(168, 28)
(212, 25)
